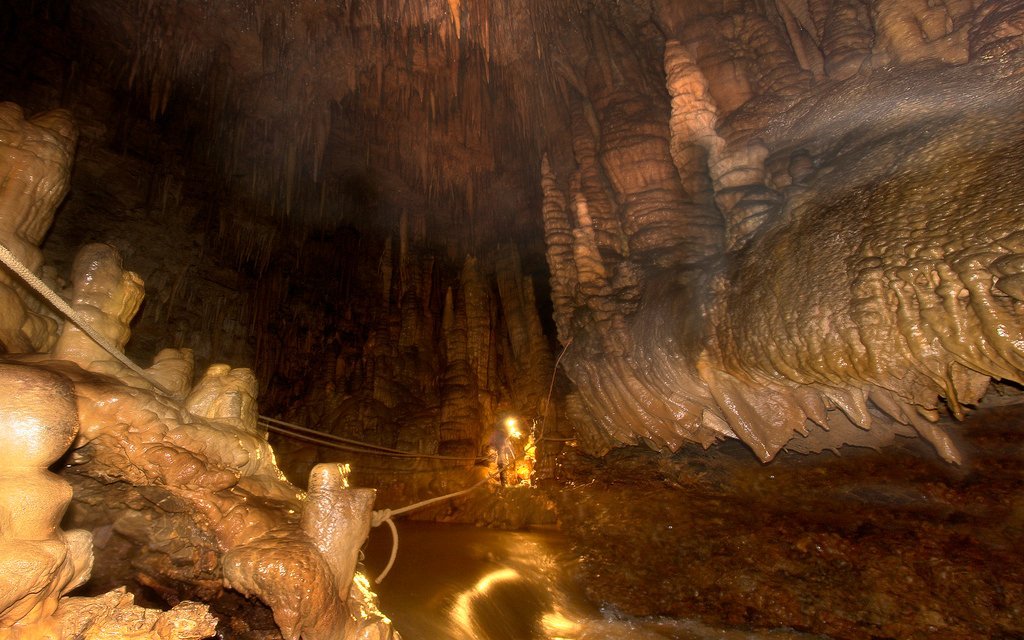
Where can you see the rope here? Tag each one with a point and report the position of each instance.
(394, 551)
(384, 516)
(551, 390)
(343, 444)
(51, 296)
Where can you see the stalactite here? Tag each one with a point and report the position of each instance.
(662, 227)
(593, 283)
(736, 172)
(479, 330)
(693, 121)
(847, 37)
(460, 418)
(532, 360)
(602, 207)
(558, 237)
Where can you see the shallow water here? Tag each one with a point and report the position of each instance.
(459, 582)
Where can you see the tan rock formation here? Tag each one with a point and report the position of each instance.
(847, 38)
(911, 31)
(234, 496)
(306, 579)
(114, 615)
(38, 562)
(107, 297)
(718, 370)
(203, 454)
(36, 158)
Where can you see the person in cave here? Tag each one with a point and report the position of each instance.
(504, 456)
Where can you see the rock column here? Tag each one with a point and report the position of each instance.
(38, 562)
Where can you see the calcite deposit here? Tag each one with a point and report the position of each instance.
(866, 228)
(36, 155)
(38, 562)
(665, 154)
(203, 466)
(795, 225)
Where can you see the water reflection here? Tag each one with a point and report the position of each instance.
(458, 582)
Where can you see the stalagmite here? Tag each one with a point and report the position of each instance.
(662, 226)
(532, 358)
(36, 156)
(603, 210)
(39, 562)
(693, 122)
(206, 465)
(337, 518)
(796, 224)
(108, 297)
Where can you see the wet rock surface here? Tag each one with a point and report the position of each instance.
(890, 544)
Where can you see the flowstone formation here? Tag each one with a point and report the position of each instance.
(182, 470)
(36, 154)
(815, 238)
(40, 563)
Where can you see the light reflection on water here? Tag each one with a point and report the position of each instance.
(459, 582)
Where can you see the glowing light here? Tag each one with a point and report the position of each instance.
(512, 427)
(487, 582)
(367, 600)
(557, 626)
(461, 611)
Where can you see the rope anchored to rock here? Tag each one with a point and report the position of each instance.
(384, 516)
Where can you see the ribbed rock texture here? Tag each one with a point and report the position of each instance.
(864, 277)
(669, 152)
(40, 563)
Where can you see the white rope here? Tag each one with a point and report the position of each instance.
(51, 296)
(384, 516)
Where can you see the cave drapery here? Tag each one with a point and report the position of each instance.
(797, 224)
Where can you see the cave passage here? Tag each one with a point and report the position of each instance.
(707, 315)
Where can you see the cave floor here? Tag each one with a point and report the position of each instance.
(890, 544)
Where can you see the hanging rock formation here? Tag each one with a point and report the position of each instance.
(866, 273)
(680, 145)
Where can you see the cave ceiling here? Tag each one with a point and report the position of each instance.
(328, 113)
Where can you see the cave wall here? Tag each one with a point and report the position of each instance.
(818, 247)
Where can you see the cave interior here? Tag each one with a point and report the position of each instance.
(751, 270)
